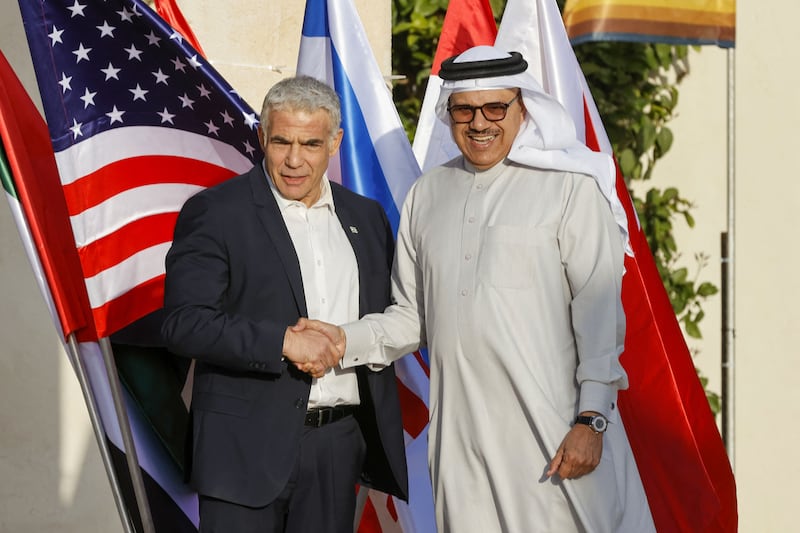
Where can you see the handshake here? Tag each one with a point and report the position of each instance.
(314, 346)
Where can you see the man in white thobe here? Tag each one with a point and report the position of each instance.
(509, 267)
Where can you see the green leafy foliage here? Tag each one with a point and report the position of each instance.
(635, 87)
(416, 25)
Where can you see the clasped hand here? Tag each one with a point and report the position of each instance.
(314, 346)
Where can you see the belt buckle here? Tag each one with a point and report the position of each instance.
(322, 416)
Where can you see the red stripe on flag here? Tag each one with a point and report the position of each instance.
(127, 174)
(467, 23)
(139, 235)
(369, 519)
(422, 364)
(391, 508)
(414, 410)
(129, 307)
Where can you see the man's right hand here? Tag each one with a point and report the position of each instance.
(311, 351)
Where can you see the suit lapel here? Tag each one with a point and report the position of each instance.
(351, 229)
(272, 221)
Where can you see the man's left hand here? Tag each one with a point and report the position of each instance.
(579, 453)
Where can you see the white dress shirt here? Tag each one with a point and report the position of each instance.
(330, 281)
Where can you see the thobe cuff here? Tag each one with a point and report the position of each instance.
(360, 341)
(598, 397)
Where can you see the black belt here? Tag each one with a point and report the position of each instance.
(320, 416)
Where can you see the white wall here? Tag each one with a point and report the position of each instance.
(51, 475)
(767, 199)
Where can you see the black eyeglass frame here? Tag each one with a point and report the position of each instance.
(473, 108)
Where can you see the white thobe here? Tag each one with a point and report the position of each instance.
(514, 276)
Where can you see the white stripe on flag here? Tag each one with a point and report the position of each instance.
(125, 275)
(535, 29)
(524, 29)
(134, 141)
(388, 137)
(414, 378)
(319, 48)
(133, 204)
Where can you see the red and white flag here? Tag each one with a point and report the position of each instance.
(679, 452)
(670, 426)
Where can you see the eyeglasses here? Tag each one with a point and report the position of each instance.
(492, 111)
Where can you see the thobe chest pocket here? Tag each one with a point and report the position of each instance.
(509, 255)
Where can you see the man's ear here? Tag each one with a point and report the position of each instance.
(337, 140)
(261, 139)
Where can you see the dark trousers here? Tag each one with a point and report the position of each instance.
(320, 496)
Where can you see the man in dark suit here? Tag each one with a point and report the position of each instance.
(281, 434)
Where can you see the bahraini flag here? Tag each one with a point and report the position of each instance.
(681, 447)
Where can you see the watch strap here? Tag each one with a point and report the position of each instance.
(598, 423)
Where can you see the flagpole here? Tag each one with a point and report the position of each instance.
(127, 436)
(729, 287)
(73, 352)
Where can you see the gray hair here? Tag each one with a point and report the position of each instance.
(302, 93)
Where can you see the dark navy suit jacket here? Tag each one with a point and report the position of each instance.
(233, 285)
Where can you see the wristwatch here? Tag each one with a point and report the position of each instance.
(598, 423)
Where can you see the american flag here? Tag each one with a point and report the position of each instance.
(139, 122)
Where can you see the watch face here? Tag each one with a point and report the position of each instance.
(599, 424)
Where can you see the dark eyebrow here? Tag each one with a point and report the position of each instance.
(278, 139)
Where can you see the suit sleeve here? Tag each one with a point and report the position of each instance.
(199, 323)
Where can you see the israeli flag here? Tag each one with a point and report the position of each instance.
(375, 160)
